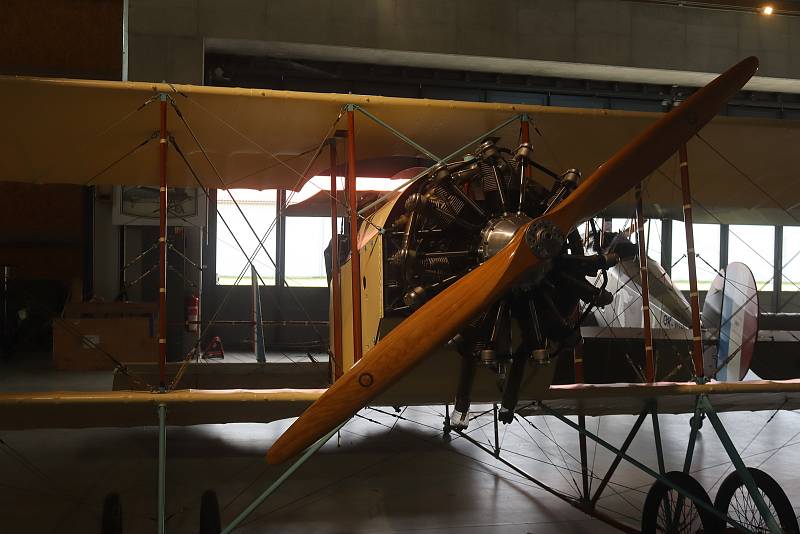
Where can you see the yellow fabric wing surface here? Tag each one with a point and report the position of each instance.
(60, 409)
(93, 133)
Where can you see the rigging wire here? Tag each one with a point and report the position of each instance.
(48, 480)
(75, 332)
(85, 145)
(218, 175)
(755, 294)
(719, 221)
(746, 176)
(550, 461)
(302, 176)
(188, 358)
(130, 152)
(756, 435)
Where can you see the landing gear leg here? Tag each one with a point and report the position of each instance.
(112, 515)
(460, 416)
(512, 385)
(524, 310)
(210, 521)
(697, 421)
(446, 426)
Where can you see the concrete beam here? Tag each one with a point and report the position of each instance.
(590, 35)
(556, 69)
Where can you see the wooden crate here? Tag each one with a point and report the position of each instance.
(79, 343)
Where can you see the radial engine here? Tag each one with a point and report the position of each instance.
(457, 216)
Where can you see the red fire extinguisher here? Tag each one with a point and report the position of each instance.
(192, 313)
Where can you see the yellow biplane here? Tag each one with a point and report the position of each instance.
(163, 135)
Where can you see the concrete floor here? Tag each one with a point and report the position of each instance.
(384, 474)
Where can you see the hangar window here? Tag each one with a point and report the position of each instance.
(622, 224)
(706, 245)
(652, 237)
(259, 207)
(306, 240)
(791, 259)
(308, 227)
(754, 245)
(652, 234)
(652, 240)
(308, 233)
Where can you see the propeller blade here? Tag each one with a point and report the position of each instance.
(406, 345)
(650, 149)
(443, 316)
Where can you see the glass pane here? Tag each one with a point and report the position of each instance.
(706, 246)
(620, 224)
(306, 240)
(308, 237)
(791, 259)
(259, 208)
(754, 246)
(586, 231)
(652, 238)
(652, 234)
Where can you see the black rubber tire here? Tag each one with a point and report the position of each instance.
(773, 493)
(112, 514)
(210, 521)
(653, 513)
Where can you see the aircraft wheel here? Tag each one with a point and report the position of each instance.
(210, 522)
(661, 513)
(112, 515)
(734, 500)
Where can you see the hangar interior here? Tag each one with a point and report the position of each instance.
(172, 297)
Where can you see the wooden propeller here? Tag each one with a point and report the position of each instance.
(443, 316)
